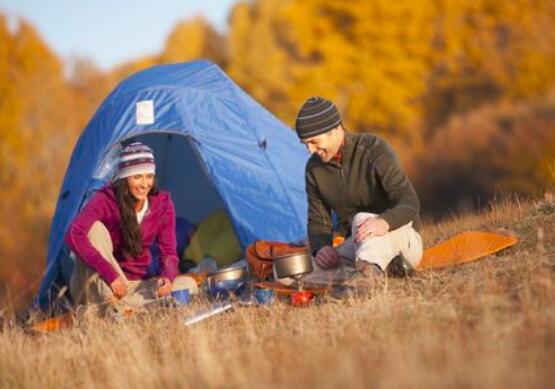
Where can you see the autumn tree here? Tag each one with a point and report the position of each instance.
(262, 50)
(486, 51)
(36, 131)
(371, 57)
(194, 39)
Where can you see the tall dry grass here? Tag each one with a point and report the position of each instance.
(485, 324)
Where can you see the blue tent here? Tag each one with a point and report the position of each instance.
(215, 148)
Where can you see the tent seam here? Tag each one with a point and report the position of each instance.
(257, 135)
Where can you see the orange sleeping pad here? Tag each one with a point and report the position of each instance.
(66, 320)
(465, 247)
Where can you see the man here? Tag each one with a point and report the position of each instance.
(359, 178)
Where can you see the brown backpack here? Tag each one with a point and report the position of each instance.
(261, 254)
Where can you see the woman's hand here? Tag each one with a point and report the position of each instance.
(119, 287)
(164, 286)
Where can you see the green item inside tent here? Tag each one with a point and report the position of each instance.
(214, 237)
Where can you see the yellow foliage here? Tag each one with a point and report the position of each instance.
(36, 130)
(368, 56)
(260, 56)
(399, 68)
(490, 50)
(194, 39)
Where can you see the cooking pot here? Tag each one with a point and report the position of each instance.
(226, 281)
(293, 265)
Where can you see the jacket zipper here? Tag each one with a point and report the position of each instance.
(342, 185)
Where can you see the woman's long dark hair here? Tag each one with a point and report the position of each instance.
(132, 239)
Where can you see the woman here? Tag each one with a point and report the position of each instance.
(112, 236)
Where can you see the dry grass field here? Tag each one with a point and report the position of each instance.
(485, 324)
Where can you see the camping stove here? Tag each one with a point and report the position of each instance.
(295, 266)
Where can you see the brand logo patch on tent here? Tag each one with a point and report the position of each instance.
(145, 112)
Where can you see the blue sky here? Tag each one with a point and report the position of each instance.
(111, 31)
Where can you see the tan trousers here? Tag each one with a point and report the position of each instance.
(379, 250)
(87, 287)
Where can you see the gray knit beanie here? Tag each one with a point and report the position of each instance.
(317, 116)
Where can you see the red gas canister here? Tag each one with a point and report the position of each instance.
(302, 298)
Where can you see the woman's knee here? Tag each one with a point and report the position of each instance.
(99, 236)
(97, 229)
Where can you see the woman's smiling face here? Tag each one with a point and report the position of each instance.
(140, 185)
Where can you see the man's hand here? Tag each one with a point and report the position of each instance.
(327, 258)
(371, 227)
(119, 287)
(164, 286)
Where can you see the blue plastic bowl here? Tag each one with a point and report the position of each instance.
(182, 296)
(264, 296)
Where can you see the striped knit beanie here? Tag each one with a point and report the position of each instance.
(136, 158)
(316, 116)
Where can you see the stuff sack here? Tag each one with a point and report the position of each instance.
(261, 254)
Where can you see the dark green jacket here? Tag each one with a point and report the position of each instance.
(369, 178)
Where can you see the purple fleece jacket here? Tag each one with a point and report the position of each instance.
(158, 224)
